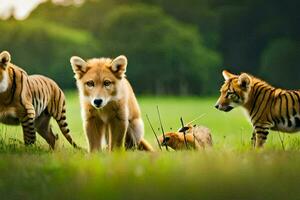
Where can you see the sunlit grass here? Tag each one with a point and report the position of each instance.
(231, 170)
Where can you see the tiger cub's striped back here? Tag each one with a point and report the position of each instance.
(269, 108)
(48, 99)
(31, 101)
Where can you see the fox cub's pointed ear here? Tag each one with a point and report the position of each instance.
(4, 58)
(227, 75)
(119, 65)
(245, 81)
(79, 66)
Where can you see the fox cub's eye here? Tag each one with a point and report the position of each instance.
(90, 83)
(107, 83)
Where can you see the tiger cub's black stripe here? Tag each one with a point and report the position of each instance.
(31, 101)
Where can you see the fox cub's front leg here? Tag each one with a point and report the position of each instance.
(94, 129)
(118, 129)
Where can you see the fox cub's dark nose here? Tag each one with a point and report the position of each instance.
(98, 102)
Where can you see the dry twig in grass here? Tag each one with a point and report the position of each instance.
(282, 140)
(161, 126)
(153, 132)
(183, 129)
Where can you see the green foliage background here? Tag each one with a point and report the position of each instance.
(174, 47)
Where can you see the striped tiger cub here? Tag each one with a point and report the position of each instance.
(31, 101)
(269, 108)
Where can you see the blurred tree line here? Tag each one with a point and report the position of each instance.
(174, 47)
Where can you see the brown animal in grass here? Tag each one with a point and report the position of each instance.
(197, 137)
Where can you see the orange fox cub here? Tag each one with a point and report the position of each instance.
(110, 111)
(197, 137)
(269, 108)
(31, 101)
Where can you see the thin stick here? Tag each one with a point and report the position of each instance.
(162, 128)
(182, 124)
(197, 118)
(153, 132)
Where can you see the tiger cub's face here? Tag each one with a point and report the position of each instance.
(98, 80)
(234, 92)
(4, 61)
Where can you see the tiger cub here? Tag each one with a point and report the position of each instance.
(269, 108)
(31, 101)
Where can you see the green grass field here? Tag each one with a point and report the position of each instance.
(231, 170)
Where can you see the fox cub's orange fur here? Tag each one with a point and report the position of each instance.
(110, 111)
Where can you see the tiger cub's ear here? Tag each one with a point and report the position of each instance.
(245, 81)
(227, 75)
(4, 58)
(79, 66)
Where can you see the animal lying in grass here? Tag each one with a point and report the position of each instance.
(197, 137)
(31, 101)
(110, 111)
(269, 108)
